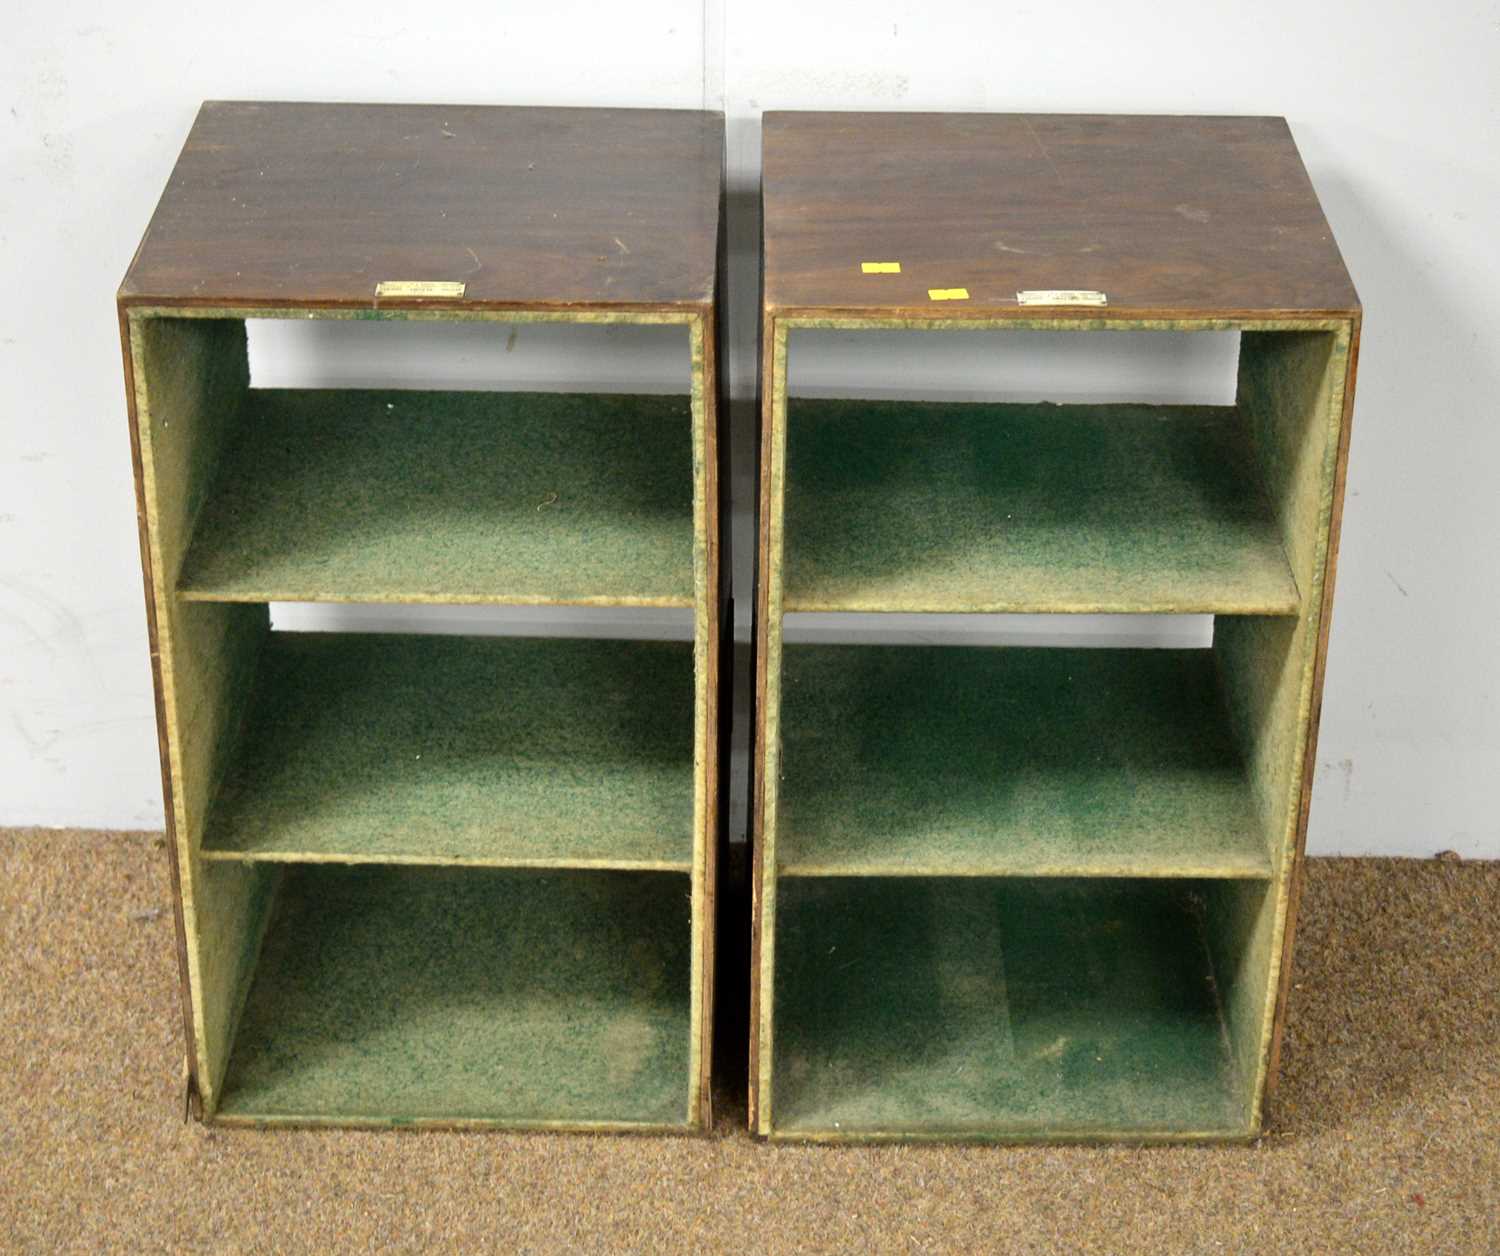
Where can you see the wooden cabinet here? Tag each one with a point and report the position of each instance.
(1023, 892)
(434, 879)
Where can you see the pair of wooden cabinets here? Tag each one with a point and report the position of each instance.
(998, 892)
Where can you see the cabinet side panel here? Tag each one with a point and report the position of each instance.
(1240, 924)
(767, 750)
(1291, 396)
(707, 627)
(190, 378)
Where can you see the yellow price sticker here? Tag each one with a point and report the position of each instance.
(947, 294)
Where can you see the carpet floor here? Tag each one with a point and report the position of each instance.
(1385, 1133)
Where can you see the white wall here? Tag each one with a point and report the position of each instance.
(1396, 109)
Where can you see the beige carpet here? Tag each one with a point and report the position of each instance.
(1386, 1135)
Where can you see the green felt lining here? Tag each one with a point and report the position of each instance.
(483, 750)
(919, 506)
(999, 1008)
(422, 502)
(1268, 472)
(355, 495)
(389, 995)
(189, 379)
(989, 761)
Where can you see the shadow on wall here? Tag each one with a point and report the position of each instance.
(1409, 703)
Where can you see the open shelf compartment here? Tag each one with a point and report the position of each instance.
(499, 497)
(398, 995)
(1006, 1008)
(948, 760)
(475, 750)
(924, 506)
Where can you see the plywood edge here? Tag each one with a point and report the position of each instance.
(145, 305)
(1019, 317)
(760, 941)
(768, 756)
(200, 1068)
(721, 636)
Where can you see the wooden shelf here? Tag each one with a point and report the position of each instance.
(962, 761)
(1001, 1009)
(1029, 892)
(473, 750)
(427, 878)
(916, 506)
(399, 995)
(352, 495)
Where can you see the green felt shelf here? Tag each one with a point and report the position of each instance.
(351, 495)
(479, 750)
(916, 506)
(933, 760)
(999, 1008)
(396, 995)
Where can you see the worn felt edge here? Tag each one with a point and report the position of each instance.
(773, 418)
(200, 1068)
(1315, 615)
(1294, 891)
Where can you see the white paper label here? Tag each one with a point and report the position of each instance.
(419, 288)
(1061, 296)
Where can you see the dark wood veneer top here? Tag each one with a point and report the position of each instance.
(1165, 215)
(314, 204)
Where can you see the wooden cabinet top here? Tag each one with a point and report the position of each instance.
(1167, 216)
(316, 204)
